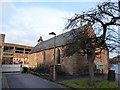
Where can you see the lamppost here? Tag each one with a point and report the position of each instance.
(54, 72)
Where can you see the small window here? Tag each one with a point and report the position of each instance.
(7, 60)
(8, 51)
(19, 50)
(27, 51)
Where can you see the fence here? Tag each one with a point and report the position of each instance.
(10, 68)
(116, 67)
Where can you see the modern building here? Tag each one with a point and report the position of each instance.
(115, 60)
(13, 53)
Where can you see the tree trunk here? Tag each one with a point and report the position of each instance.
(91, 73)
(91, 58)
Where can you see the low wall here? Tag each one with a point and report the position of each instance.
(116, 67)
(118, 75)
(0, 76)
(10, 68)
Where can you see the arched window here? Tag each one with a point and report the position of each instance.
(58, 56)
(44, 58)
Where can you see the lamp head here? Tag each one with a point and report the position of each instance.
(52, 33)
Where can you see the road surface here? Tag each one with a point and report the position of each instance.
(18, 80)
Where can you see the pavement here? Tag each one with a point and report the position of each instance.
(29, 81)
(23, 80)
(4, 82)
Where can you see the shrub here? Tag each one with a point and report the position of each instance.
(42, 69)
(60, 71)
(31, 68)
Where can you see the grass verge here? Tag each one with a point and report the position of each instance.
(101, 83)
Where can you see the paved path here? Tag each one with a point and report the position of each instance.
(18, 80)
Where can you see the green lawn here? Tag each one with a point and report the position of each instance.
(85, 84)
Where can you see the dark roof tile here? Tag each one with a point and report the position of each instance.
(61, 40)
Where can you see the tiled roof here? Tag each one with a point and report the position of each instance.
(61, 40)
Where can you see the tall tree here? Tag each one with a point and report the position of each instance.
(104, 20)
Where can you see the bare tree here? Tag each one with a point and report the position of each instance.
(104, 20)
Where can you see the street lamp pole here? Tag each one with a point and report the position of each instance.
(54, 77)
(54, 71)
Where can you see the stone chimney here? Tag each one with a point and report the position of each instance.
(40, 40)
(2, 38)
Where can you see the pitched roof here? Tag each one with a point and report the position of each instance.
(61, 40)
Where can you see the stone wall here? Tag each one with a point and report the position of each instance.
(104, 58)
(32, 60)
(72, 65)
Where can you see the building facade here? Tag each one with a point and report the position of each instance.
(13, 53)
(115, 60)
(43, 54)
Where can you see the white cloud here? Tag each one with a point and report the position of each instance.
(57, 0)
(25, 25)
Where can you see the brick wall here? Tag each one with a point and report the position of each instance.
(71, 65)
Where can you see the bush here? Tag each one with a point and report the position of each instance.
(42, 69)
(31, 68)
(60, 71)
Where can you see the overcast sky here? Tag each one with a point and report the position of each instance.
(24, 22)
